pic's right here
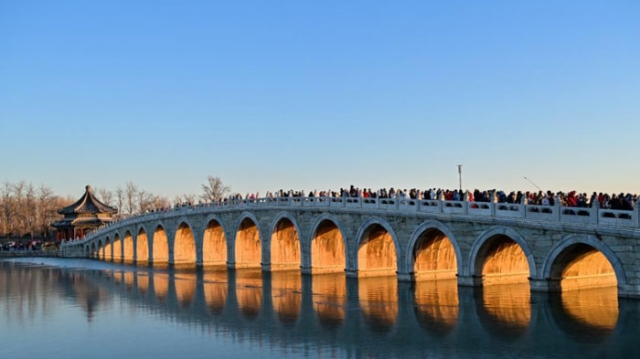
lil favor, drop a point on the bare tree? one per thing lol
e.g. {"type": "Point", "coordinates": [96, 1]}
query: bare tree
{"type": "Point", "coordinates": [160, 202]}
{"type": "Point", "coordinates": [214, 189]}
{"type": "Point", "coordinates": [186, 198]}
{"type": "Point", "coordinates": [31, 210]}
{"type": "Point", "coordinates": [120, 200]}
{"type": "Point", "coordinates": [144, 201]}
{"type": "Point", "coordinates": [7, 205]}
{"type": "Point", "coordinates": [20, 215]}
{"type": "Point", "coordinates": [106, 196]}
{"type": "Point", "coordinates": [47, 203]}
{"type": "Point", "coordinates": [131, 191]}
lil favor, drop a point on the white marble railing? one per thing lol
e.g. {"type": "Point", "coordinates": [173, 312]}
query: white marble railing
{"type": "Point", "coordinates": [593, 216]}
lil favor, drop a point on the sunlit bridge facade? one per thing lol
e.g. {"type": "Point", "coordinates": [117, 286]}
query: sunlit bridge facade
{"type": "Point", "coordinates": [363, 243]}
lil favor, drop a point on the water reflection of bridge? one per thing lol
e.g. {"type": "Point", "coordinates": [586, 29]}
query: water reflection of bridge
{"type": "Point", "coordinates": [295, 312]}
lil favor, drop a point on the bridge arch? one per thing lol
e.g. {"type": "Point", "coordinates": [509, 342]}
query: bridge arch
{"type": "Point", "coordinates": [284, 243]}
{"type": "Point", "coordinates": [127, 247]}
{"type": "Point", "coordinates": [159, 245]}
{"type": "Point", "coordinates": [184, 243]}
{"type": "Point", "coordinates": [377, 250]}
{"type": "Point", "coordinates": [108, 250]}
{"type": "Point", "coordinates": [100, 254]}
{"type": "Point", "coordinates": [433, 252]}
{"type": "Point", "coordinates": [247, 244]}
{"type": "Point", "coordinates": [328, 249]}
{"type": "Point", "coordinates": [589, 261]}
{"type": "Point", "coordinates": [501, 255]}
{"type": "Point", "coordinates": [214, 243]}
{"type": "Point", "coordinates": [117, 248]}
{"type": "Point", "coordinates": [142, 245]}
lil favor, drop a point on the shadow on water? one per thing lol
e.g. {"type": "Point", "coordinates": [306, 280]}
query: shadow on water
{"type": "Point", "coordinates": [331, 312]}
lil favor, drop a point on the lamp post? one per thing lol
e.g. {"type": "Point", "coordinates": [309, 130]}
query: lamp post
{"type": "Point", "coordinates": [460, 177]}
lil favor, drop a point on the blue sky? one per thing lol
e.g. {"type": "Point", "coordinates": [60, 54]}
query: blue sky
{"type": "Point", "coordinates": [302, 95]}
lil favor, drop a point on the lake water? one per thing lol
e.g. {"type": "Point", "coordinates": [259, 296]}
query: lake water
{"type": "Point", "coordinates": [70, 308]}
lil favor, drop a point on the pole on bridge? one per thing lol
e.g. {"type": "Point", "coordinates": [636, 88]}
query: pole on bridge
{"type": "Point", "coordinates": [460, 177]}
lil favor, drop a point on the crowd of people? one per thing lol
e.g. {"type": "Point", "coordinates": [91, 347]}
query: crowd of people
{"type": "Point", "coordinates": [613, 201]}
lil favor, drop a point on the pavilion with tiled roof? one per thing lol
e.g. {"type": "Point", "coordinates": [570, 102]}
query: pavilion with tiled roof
{"type": "Point", "coordinates": [83, 217]}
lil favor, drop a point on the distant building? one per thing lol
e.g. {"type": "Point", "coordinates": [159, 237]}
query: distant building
{"type": "Point", "coordinates": [83, 217]}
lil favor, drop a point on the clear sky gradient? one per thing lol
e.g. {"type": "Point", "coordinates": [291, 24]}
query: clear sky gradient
{"type": "Point", "coordinates": [305, 95]}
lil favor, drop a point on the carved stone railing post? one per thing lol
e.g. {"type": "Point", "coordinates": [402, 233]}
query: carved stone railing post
{"type": "Point", "coordinates": [636, 210]}
{"type": "Point", "coordinates": [595, 212]}
{"type": "Point", "coordinates": [465, 202]}
{"type": "Point", "coordinates": [494, 200]}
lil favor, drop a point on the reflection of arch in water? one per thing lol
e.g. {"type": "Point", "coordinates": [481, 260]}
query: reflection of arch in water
{"type": "Point", "coordinates": [505, 310]}
{"type": "Point", "coordinates": [328, 249]}
{"type": "Point", "coordinates": [286, 295]}
{"type": "Point", "coordinates": [437, 305]}
{"type": "Point", "coordinates": [377, 249]}
{"type": "Point", "coordinates": [161, 286]}
{"type": "Point", "coordinates": [215, 287]}
{"type": "Point", "coordinates": [586, 315]}
{"type": "Point", "coordinates": [502, 256]}
{"type": "Point", "coordinates": [330, 299]}
{"type": "Point", "coordinates": [285, 243]}
{"type": "Point", "coordinates": [581, 261]}
{"type": "Point", "coordinates": [434, 252]}
{"type": "Point", "coordinates": [379, 303]}
{"type": "Point", "coordinates": [249, 292]}
{"type": "Point", "coordinates": [143, 282]}
{"type": "Point", "coordinates": [185, 287]}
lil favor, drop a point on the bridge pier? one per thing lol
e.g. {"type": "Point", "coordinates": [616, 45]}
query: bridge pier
{"type": "Point", "coordinates": [544, 285]}
{"type": "Point", "coordinates": [406, 277]}
{"type": "Point", "coordinates": [469, 281]}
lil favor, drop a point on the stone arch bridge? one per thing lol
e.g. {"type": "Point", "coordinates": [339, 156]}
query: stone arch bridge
{"type": "Point", "coordinates": [551, 248]}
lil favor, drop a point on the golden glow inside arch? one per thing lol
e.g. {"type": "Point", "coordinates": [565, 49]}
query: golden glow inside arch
{"type": "Point", "coordinates": [160, 246]}
{"type": "Point", "coordinates": [214, 246]}
{"type": "Point", "coordinates": [434, 256]}
{"type": "Point", "coordinates": [117, 249]}
{"type": "Point", "coordinates": [108, 250]}
{"type": "Point", "coordinates": [248, 249]}
{"type": "Point", "coordinates": [376, 253]}
{"type": "Point", "coordinates": [582, 266]}
{"type": "Point", "coordinates": [142, 247]}
{"type": "Point", "coordinates": [285, 246]}
{"type": "Point", "coordinates": [503, 261]}
{"type": "Point", "coordinates": [127, 248]}
{"type": "Point", "coordinates": [184, 247]}
{"type": "Point", "coordinates": [328, 253]}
